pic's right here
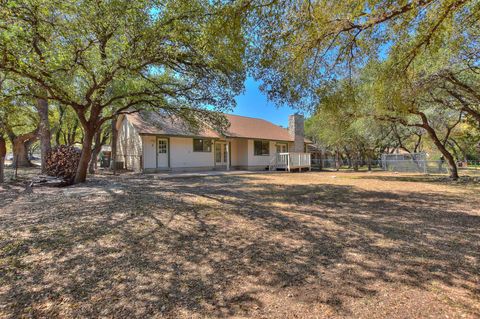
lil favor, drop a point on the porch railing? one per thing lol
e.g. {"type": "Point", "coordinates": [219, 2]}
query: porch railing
{"type": "Point", "coordinates": [291, 160]}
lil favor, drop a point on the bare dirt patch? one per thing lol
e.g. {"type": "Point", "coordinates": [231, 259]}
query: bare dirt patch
{"type": "Point", "coordinates": [310, 245]}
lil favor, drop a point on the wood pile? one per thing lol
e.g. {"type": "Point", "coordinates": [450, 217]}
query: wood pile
{"type": "Point", "coordinates": [62, 162]}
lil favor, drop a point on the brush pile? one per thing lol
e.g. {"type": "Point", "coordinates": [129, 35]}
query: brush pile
{"type": "Point", "coordinates": [62, 162]}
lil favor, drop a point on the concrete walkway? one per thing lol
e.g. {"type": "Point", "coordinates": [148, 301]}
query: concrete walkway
{"type": "Point", "coordinates": [165, 175]}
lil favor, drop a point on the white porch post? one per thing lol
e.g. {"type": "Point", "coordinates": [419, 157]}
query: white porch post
{"type": "Point", "coordinates": [228, 155]}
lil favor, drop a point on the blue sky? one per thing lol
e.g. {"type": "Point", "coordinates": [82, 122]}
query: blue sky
{"type": "Point", "coordinates": [254, 103]}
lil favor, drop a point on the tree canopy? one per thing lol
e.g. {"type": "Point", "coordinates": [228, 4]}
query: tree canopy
{"type": "Point", "coordinates": [102, 58]}
{"type": "Point", "coordinates": [373, 70]}
{"type": "Point", "coordinates": [375, 74]}
{"type": "Point", "coordinates": [301, 45]}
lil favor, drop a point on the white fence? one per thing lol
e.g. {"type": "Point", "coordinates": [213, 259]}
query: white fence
{"type": "Point", "coordinates": [332, 163]}
{"type": "Point", "coordinates": [415, 166]}
{"type": "Point", "coordinates": [412, 163]}
{"type": "Point", "coordinates": [291, 160]}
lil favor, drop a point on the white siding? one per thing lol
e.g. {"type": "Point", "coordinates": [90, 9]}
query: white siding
{"type": "Point", "coordinates": [129, 146]}
{"type": "Point", "coordinates": [132, 147]}
{"type": "Point", "coordinates": [255, 160]}
{"type": "Point", "coordinates": [183, 156]}
{"type": "Point", "coordinates": [149, 152]}
{"type": "Point", "coordinates": [243, 153]}
{"type": "Point", "coordinates": [239, 152]}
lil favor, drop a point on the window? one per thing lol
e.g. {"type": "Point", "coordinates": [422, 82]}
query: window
{"type": "Point", "coordinates": [282, 148]}
{"type": "Point", "coordinates": [162, 146]}
{"type": "Point", "coordinates": [202, 145]}
{"type": "Point", "coordinates": [261, 148]}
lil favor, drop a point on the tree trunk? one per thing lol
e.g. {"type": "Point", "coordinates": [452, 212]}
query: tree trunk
{"type": "Point", "coordinates": [72, 133]}
{"type": "Point", "coordinates": [418, 143]}
{"type": "Point", "coordinates": [3, 152]}
{"type": "Point", "coordinates": [20, 153]}
{"type": "Point", "coordinates": [44, 131]}
{"type": "Point", "coordinates": [461, 149]}
{"type": "Point", "coordinates": [58, 132]}
{"type": "Point", "coordinates": [2, 169]}
{"type": "Point", "coordinates": [355, 165]}
{"type": "Point", "coordinates": [448, 156]}
{"type": "Point", "coordinates": [20, 145]}
{"type": "Point", "coordinates": [85, 157]}
{"type": "Point", "coordinates": [92, 165]}
{"type": "Point", "coordinates": [99, 141]}
{"type": "Point", "coordinates": [337, 160]}
{"type": "Point", "coordinates": [113, 154]}
{"type": "Point", "coordinates": [320, 160]}
{"type": "Point", "coordinates": [349, 159]}
{"type": "Point", "coordinates": [355, 161]}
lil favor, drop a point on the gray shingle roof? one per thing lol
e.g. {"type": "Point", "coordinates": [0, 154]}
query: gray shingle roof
{"type": "Point", "coordinates": [240, 126]}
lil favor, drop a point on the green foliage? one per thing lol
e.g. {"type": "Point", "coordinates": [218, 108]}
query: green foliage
{"type": "Point", "coordinates": [66, 128]}
{"type": "Point", "coordinates": [17, 115]}
{"type": "Point", "coordinates": [383, 110]}
{"type": "Point", "coordinates": [344, 122]}
{"type": "Point", "coordinates": [301, 45]}
{"type": "Point", "coordinates": [427, 82]}
{"type": "Point", "coordinates": [114, 55]}
{"type": "Point", "coordinates": [104, 58]}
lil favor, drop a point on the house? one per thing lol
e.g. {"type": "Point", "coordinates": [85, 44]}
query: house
{"type": "Point", "coordinates": [149, 142]}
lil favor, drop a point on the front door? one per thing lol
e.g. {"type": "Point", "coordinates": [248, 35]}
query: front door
{"type": "Point", "coordinates": [162, 153]}
{"type": "Point", "coordinates": [282, 148]}
{"type": "Point", "coordinates": [220, 154]}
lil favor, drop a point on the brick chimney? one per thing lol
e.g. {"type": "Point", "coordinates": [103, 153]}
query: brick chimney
{"type": "Point", "coordinates": [297, 131]}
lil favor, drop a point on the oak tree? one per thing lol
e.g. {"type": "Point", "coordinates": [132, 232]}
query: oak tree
{"type": "Point", "coordinates": [102, 58]}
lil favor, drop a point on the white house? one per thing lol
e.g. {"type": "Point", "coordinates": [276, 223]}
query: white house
{"type": "Point", "coordinates": [149, 142]}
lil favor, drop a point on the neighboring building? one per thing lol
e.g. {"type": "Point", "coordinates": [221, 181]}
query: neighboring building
{"type": "Point", "coordinates": [148, 141]}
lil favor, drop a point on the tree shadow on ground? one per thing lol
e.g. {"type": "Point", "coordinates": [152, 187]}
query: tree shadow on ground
{"type": "Point", "coordinates": [217, 246]}
{"type": "Point", "coordinates": [465, 180]}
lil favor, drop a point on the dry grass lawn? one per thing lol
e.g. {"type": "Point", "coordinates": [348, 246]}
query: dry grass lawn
{"type": "Point", "coordinates": [311, 245]}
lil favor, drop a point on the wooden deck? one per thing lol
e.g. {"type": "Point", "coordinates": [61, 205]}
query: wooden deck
{"type": "Point", "coordinates": [291, 161]}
